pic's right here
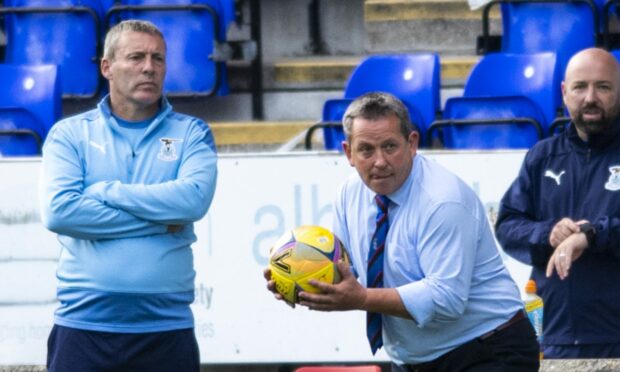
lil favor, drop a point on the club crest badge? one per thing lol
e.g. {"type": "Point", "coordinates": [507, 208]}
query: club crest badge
{"type": "Point", "coordinates": [613, 183]}
{"type": "Point", "coordinates": [168, 151]}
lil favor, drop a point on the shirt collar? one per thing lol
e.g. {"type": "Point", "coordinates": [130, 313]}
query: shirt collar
{"type": "Point", "coordinates": [104, 106]}
{"type": "Point", "coordinates": [164, 109]}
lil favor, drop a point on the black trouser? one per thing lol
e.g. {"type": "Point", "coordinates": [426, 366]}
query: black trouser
{"type": "Point", "coordinates": [73, 350]}
{"type": "Point", "coordinates": [512, 349]}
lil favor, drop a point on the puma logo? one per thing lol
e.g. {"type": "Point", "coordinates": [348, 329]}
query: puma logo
{"type": "Point", "coordinates": [556, 177]}
{"type": "Point", "coordinates": [98, 146]}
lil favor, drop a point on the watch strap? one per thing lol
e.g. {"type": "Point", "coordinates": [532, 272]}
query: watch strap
{"type": "Point", "coordinates": [590, 231]}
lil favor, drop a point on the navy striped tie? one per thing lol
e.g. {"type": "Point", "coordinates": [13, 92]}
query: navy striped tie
{"type": "Point", "coordinates": [375, 270]}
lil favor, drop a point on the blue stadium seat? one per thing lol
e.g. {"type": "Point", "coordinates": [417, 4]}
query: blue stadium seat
{"type": "Point", "coordinates": [559, 26]}
{"type": "Point", "coordinates": [228, 11]}
{"type": "Point", "coordinates": [536, 76]}
{"type": "Point", "coordinates": [529, 82]}
{"type": "Point", "coordinates": [610, 14]}
{"type": "Point", "coordinates": [491, 122]}
{"type": "Point", "coordinates": [413, 78]}
{"type": "Point", "coordinates": [193, 27]}
{"type": "Point", "coordinates": [559, 125]}
{"type": "Point", "coordinates": [333, 112]}
{"type": "Point", "coordinates": [60, 32]}
{"type": "Point", "coordinates": [30, 103]}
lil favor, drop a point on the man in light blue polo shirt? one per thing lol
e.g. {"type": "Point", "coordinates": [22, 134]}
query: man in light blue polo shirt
{"type": "Point", "coordinates": [442, 296]}
{"type": "Point", "coordinates": [122, 185]}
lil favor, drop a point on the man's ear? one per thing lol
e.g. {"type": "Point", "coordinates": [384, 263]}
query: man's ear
{"type": "Point", "coordinates": [414, 140]}
{"type": "Point", "coordinates": [563, 88]}
{"type": "Point", "coordinates": [105, 68]}
{"type": "Point", "coordinates": [346, 146]}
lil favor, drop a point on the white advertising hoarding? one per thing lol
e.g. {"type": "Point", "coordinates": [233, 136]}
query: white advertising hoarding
{"type": "Point", "coordinates": [258, 198]}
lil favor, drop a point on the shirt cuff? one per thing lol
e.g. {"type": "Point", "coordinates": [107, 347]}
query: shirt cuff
{"type": "Point", "coordinates": [418, 301]}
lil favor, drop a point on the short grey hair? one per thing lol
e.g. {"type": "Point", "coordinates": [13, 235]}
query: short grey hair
{"type": "Point", "coordinates": [130, 25]}
{"type": "Point", "coordinates": [377, 105]}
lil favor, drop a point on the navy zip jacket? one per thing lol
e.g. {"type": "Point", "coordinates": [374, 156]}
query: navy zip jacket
{"type": "Point", "coordinates": [562, 177]}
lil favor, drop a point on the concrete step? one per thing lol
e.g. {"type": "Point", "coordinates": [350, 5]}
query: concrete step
{"type": "Point", "coordinates": [401, 10]}
{"type": "Point", "coordinates": [245, 136]}
{"type": "Point", "coordinates": [445, 26]}
{"type": "Point", "coordinates": [333, 72]}
{"type": "Point", "coordinates": [257, 132]}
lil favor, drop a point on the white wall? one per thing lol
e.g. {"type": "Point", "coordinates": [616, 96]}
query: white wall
{"type": "Point", "coordinates": [258, 197]}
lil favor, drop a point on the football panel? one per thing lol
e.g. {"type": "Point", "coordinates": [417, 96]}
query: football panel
{"type": "Point", "coordinates": [280, 259]}
{"type": "Point", "coordinates": [286, 240]}
{"type": "Point", "coordinates": [315, 236]}
{"type": "Point", "coordinates": [325, 274]}
{"type": "Point", "coordinates": [305, 260]}
{"type": "Point", "coordinates": [284, 286]}
{"type": "Point", "coordinates": [339, 253]}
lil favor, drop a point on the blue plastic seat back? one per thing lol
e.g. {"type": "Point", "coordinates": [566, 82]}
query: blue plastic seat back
{"type": "Point", "coordinates": [12, 144]}
{"type": "Point", "coordinates": [616, 53]}
{"type": "Point", "coordinates": [30, 99]}
{"type": "Point", "coordinates": [228, 12]}
{"type": "Point", "coordinates": [490, 135]}
{"type": "Point", "coordinates": [107, 4]}
{"type": "Point", "coordinates": [561, 27]}
{"type": "Point", "coordinates": [225, 10]}
{"type": "Point", "coordinates": [333, 112]}
{"type": "Point", "coordinates": [600, 4]}
{"type": "Point", "coordinates": [414, 78]}
{"type": "Point", "coordinates": [535, 76]}
{"type": "Point", "coordinates": [190, 36]}
{"type": "Point", "coordinates": [68, 39]}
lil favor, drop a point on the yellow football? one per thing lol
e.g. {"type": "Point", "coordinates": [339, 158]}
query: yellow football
{"type": "Point", "coordinates": [304, 253]}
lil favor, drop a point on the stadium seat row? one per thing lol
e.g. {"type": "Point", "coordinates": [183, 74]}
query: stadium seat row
{"type": "Point", "coordinates": [509, 100]}
{"type": "Point", "coordinates": [512, 96]}
{"type": "Point", "coordinates": [69, 33]}
{"type": "Point", "coordinates": [53, 49]}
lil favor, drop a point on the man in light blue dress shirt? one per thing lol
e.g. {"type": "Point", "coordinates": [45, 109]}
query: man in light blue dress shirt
{"type": "Point", "coordinates": [447, 302]}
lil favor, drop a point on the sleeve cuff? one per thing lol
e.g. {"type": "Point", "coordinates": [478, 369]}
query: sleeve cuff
{"type": "Point", "coordinates": [418, 301]}
{"type": "Point", "coordinates": [597, 242]}
{"type": "Point", "coordinates": [540, 249]}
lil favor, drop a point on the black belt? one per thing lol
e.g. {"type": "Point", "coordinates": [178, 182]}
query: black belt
{"type": "Point", "coordinates": [518, 316]}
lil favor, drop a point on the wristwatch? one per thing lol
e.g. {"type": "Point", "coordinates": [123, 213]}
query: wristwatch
{"type": "Point", "coordinates": [590, 231]}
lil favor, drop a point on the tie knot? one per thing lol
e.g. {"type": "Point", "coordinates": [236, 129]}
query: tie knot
{"type": "Point", "coordinates": [382, 202]}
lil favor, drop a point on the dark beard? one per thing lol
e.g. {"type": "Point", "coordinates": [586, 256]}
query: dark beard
{"type": "Point", "coordinates": [597, 127]}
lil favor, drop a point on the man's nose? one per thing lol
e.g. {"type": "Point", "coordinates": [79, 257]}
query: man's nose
{"type": "Point", "coordinates": [590, 94]}
{"type": "Point", "coordinates": [148, 66]}
{"type": "Point", "coordinates": [380, 160]}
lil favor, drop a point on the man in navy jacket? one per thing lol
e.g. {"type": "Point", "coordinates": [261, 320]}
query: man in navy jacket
{"type": "Point", "coordinates": [562, 215]}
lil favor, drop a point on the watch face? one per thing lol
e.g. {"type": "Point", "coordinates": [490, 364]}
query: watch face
{"type": "Point", "coordinates": [589, 230]}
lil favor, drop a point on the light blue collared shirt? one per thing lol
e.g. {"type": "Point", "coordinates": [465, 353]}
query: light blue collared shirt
{"type": "Point", "coordinates": [440, 255]}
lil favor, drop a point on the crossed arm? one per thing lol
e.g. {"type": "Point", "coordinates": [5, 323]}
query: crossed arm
{"type": "Point", "coordinates": [110, 209]}
{"type": "Point", "coordinates": [551, 243]}
{"type": "Point", "coordinates": [568, 243]}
